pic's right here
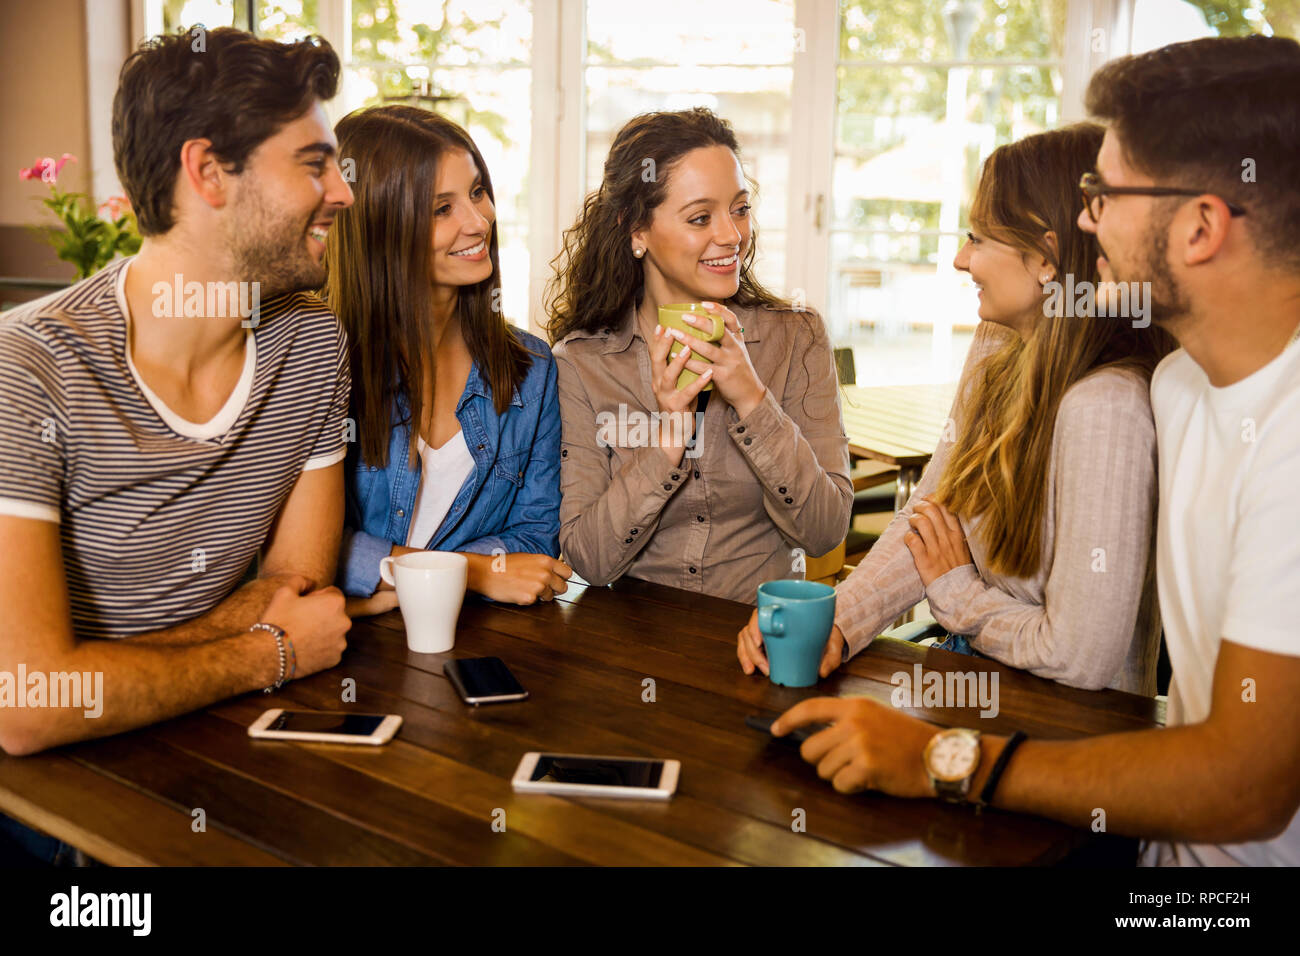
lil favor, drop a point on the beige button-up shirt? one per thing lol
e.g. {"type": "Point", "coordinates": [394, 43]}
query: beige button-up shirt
{"type": "Point", "coordinates": [764, 492]}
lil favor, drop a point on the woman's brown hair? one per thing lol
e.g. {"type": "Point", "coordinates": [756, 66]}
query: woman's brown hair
{"type": "Point", "coordinates": [1000, 462]}
{"type": "Point", "coordinates": [597, 279]}
{"type": "Point", "coordinates": [380, 284]}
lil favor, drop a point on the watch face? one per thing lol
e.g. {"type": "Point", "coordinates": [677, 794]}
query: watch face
{"type": "Point", "coordinates": [954, 756]}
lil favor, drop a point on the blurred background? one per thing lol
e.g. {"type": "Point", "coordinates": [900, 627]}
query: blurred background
{"type": "Point", "coordinates": [863, 122]}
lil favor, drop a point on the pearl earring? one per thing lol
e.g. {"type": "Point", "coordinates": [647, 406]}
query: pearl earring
{"type": "Point", "coordinates": [638, 253]}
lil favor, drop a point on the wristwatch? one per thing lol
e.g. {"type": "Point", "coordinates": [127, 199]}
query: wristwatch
{"type": "Point", "coordinates": [951, 758]}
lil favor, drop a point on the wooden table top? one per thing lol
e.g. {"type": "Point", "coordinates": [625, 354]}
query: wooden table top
{"type": "Point", "coordinates": [896, 424]}
{"type": "Point", "coordinates": [429, 797]}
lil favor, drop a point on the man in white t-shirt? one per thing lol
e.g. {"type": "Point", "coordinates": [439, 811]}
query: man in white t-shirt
{"type": "Point", "coordinates": [1196, 191]}
{"type": "Point", "coordinates": [155, 440]}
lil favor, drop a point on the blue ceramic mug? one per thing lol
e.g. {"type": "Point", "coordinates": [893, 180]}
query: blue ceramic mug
{"type": "Point", "coordinates": [795, 618]}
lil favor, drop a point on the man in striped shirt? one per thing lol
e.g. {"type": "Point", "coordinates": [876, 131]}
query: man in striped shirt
{"type": "Point", "coordinates": [153, 439]}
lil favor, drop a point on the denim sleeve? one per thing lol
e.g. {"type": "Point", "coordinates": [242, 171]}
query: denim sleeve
{"type": "Point", "coordinates": [359, 558]}
{"type": "Point", "coordinates": [533, 523]}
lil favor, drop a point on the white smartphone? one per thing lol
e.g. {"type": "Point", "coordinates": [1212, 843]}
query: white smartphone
{"type": "Point", "coordinates": [581, 775]}
{"type": "Point", "coordinates": [280, 724]}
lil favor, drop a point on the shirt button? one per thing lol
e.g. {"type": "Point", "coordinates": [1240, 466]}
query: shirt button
{"type": "Point", "coordinates": [667, 487]}
{"type": "Point", "coordinates": [634, 531]}
{"type": "Point", "coordinates": [565, 453]}
{"type": "Point", "coordinates": [699, 517]}
{"type": "Point", "coordinates": [789, 501]}
{"type": "Point", "coordinates": [692, 570]}
{"type": "Point", "coordinates": [480, 447]}
{"type": "Point", "coordinates": [697, 474]}
{"type": "Point", "coordinates": [627, 540]}
{"type": "Point", "coordinates": [780, 490]}
{"type": "Point", "coordinates": [740, 429]}
{"type": "Point", "coordinates": [748, 440]}
{"type": "Point", "coordinates": [401, 513]}
{"type": "Point", "coordinates": [676, 476]}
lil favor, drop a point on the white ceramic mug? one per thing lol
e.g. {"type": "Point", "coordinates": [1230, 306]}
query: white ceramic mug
{"type": "Point", "coordinates": [430, 587]}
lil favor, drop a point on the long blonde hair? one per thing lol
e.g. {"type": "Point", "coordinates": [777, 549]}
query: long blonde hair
{"type": "Point", "coordinates": [999, 465]}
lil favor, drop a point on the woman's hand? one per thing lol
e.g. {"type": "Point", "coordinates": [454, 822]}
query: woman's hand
{"type": "Point", "coordinates": [733, 373]}
{"type": "Point", "coordinates": [867, 745]}
{"type": "Point", "coordinates": [378, 603]}
{"type": "Point", "coordinates": [936, 541]}
{"type": "Point", "coordinates": [750, 653]}
{"type": "Point", "coordinates": [678, 403]}
{"type": "Point", "coordinates": [518, 578]}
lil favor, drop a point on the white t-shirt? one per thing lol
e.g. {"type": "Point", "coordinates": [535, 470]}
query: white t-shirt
{"type": "Point", "coordinates": [1228, 545]}
{"type": "Point", "coordinates": [442, 474]}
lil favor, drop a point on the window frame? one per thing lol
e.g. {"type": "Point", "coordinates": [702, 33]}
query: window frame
{"type": "Point", "coordinates": [558, 100]}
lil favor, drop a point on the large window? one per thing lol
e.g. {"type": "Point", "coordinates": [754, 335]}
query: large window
{"type": "Point", "coordinates": [1158, 22]}
{"type": "Point", "coordinates": [736, 58]}
{"type": "Point", "coordinates": [926, 89]}
{"type": "Point", "coordinates": [466, 59]}
{"type": "Point", "coordinates": [863, 122]}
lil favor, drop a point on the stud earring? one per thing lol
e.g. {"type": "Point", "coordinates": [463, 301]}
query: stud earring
{"type": "Point", "coordinates": [638, 253]}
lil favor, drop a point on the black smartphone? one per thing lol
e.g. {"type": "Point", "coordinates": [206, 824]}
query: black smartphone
{"type": "Point", "coordinates": [483, 680]}
{"type": "Point", "coordinates": [764, 720]}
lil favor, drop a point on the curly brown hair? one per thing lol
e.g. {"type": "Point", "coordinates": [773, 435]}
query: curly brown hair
{"type": "Point", "coordinates": [597, 279]}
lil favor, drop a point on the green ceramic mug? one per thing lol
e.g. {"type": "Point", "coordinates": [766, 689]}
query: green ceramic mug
{"type": "Point", "coordinates": [672, 316]}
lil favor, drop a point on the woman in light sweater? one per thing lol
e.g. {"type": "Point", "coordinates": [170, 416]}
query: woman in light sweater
{"type": "Point", "coordinates": [1030, 532]}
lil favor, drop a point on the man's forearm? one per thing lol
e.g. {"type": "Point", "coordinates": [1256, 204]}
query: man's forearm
{"type": "Point", "coordinates": [1173, 784]}
{"type": "Point", "coordinates": [240, 611]}
{"type": "Point", "coordinates": [128, 684]}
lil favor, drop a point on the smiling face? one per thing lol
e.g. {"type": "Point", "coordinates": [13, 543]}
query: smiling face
{"type": "Point", "coordinates": [463, 216]}
{"type": "Point", "coordinates": [1134, 234]}
{"type": "Point", "coordinates": [285, 201]}
{"type": "Point", "coordinates": [699, 235]}
{"type": "Point", "coordinates": [1010, 288]}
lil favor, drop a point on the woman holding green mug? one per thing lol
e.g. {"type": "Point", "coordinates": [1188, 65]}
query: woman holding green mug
{"type": "Point", "coordinates": [711, 490]}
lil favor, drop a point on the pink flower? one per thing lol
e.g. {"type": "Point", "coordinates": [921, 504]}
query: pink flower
{"type": "Point", "coordinates": [116, 206]}
{"type": "Point", "coordinates": [47, 169]}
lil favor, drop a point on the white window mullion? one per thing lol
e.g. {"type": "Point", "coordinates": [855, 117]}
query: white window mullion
{"type": "Point", "coordinates": [556, 174]}
{"type": "Point", "coordinates": [812, 153]}
{"type": "Point", "coordinates": [1095, 31]}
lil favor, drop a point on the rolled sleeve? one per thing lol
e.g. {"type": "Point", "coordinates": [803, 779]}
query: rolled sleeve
{"type": "Point", "coordinates": [359, 560]}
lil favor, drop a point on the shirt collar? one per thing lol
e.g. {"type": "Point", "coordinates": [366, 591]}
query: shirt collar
{"type": "Point", "coordinates": [477, 385]}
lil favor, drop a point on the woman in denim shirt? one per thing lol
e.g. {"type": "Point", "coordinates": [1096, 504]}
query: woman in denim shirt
{"type": "Point", "coordinates": [414, 278]}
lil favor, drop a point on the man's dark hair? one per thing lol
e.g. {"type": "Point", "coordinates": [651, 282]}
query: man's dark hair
{"type": "Point", "coordinates": [222, 85]}
{"type": "Point", "coordinates": [1208, 114]}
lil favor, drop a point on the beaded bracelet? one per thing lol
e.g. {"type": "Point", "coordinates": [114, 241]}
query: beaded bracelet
{"type": "Point", "coordinates": [280, 638]}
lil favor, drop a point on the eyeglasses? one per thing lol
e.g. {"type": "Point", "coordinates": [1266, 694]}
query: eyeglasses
{"type": "Point", "coordinates": [1095, 191]}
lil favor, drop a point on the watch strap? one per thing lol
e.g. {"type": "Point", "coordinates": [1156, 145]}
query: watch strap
{"type": "Point", "coordinates": [991, 783]}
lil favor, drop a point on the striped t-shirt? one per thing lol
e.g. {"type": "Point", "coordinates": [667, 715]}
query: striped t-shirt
{"type": "Point", "coordinates": [159, 517]}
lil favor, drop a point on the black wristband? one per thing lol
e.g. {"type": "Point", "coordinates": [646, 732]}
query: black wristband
{"type": "Point", "coordinates": [991, 784]}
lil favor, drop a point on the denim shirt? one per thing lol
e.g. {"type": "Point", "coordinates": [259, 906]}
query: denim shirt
{"type": "Point", "coordinates": [510, 502]}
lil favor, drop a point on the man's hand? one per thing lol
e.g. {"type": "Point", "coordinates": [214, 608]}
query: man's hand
{"type": "Point", "coordinates": [936, 541]}
{"type": "Point", "coordinates": [520, 578]}
{"type": "Point", "coordinates": [315, 622]}
{"type": "Point", "coordinates": [868, 746]}
{"type": "Point", "coordinates": [750, 652]}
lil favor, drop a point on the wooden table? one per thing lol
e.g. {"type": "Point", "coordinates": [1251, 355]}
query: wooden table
{"type": "Point", "coordinates": [431, 796]}
{"type": "Point", "coordinates": [897, 424]}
